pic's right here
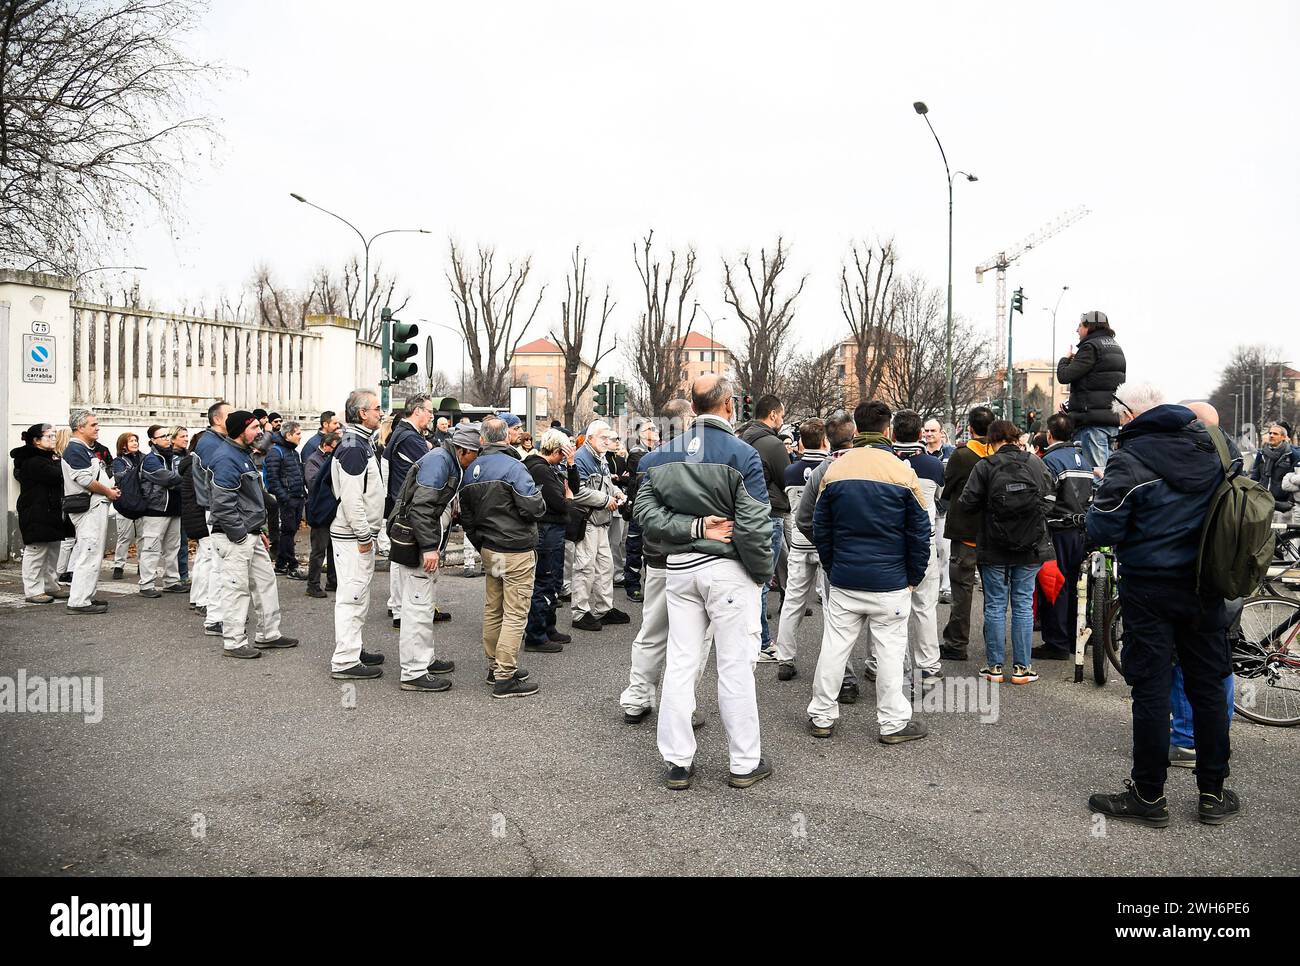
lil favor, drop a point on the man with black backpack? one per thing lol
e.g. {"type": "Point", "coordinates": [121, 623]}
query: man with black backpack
{"type": "Point", "coordinates": [1160, 484]}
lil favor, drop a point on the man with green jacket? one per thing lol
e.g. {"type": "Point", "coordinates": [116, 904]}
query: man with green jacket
{"type": "Point", "coordinates": [704, 501]}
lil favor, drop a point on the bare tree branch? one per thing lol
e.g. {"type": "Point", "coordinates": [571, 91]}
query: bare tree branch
{"type": "Point", "coordinates": [761, 364]}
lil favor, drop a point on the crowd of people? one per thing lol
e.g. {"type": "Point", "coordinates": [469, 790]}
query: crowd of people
{"type": "Point", "coordinates": [872, 514]}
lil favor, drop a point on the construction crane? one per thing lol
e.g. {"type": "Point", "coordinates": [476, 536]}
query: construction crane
{"type": "Point", "coordinates": [1002, 260]}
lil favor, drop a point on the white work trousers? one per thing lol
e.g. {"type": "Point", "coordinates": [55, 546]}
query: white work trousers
{"type": "Point", "coordinates": [40, 568]}
{"type": "Point", "coordinates": [356, 572]}
{"type": "Point", "coordinates": [844, 615]}
{"type": "Point", "coordinates": [92, 531]}
{"type": "Point", "coordinates": [800, 592]}
{"type": "Point", "coordinates": [415, 645]}
{"type": "Point", "coordinates": [719, 592]}
{"type": "Point", "coordinates": [650, 649]}
{"type": "Point", "coordinates": [593, 573]}
{"type": "Point", "coordinates": [201, 573]}
{"type": "Point", "coordinates": [159, 546]}
{"type": "Point", "coordinates": [247, 582]}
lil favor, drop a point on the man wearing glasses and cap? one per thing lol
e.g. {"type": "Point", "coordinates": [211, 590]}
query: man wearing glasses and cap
{"type": "Point", "coordinates": [1093, 373]}
{"type": "Point", "coordinates": [160, 544]}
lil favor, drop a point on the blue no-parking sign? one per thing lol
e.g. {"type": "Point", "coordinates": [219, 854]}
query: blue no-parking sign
{"type": "Point", "coordinates": [39, 358]}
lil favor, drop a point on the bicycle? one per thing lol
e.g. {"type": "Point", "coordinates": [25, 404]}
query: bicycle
{"type": "Point", "coordinates": [1284, 572]}
{"type": "Point", "coordinates": [1265, 641]}
{"type": "Point", "coordinates": [1100, 618]}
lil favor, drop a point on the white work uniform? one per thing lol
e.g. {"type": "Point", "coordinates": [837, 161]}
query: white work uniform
{"type": "Point", "coordinates": [201, 573]}
{"type": "Point", "coordinates": [248, 581]}
{"type": "Point", "coordinates": [415, 644]}
{"type": "Point", "coordinates": [40, 568]}
{"type": "Point", "coordinates": [92, 531]}
{"type": "Point", "coordinates": [650, 648]}
{"type": "Point", "coordinates": [128, 532]}
{"type": "Point", "coordinates": [159, 545]}
{"type": "Point", "coordinates": [593, 573]}
{"type": "Point", "coordinates": [800, 593]}
{"type": "Point", "coordinates": [702, 591]}
{"type": "Point", "coordinates": [885, 616]}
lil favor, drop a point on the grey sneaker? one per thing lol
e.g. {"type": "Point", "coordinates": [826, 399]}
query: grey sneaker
{"type": "Point", "coordinates": [357, 672]}
{"type": "Point", "coordinates": [820, 731]}
{"type": "Point", "coordinates": [244, 650]}
{"type": "Point", "coordinates": [212, 630]}
{"type": "Point", "coordinates": [1218, 809]}
{"type": "Point", "coordinates": [911, 732]}
{"type": "Point", "coordinates": [697, 719]}
{"type": "Point", "coordinates": [1181, 757]}
{"type": "Point", "coordinates": [427, 682]}
{"type": "Point", "coordinates": [764, 770]}
{"type": "Point", "coordinates": [767, 654]}
{"type": "Point", "coordinates": [786, 671]}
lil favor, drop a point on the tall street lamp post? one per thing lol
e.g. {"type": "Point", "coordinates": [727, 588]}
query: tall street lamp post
{"type": "Point", "coordinates": [920, 108]}
{"type": "Point", "coordinates": [1052, 375]}
{"type": "Point", "coordinates": [365, 246]}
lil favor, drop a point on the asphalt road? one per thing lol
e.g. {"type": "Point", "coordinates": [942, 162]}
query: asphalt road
{"type": "Point", "coordinates": [206, 765]}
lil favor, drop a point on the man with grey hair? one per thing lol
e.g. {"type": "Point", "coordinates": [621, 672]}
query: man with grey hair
{"type": "Point", "coordinates": [500, 506]}
{"type": "Point", "coordinates": [938, 447]}
{"type": "Point", "coordinates": [593, 563]}
{"type": "Point", "coordinates": [87, 492]}
{"type": "Point", "coordinates": [551, 466]}
{"type": "Point", "coordinates": [359, 486]}
{"type": "Point", "coordinates": [1158, 487]}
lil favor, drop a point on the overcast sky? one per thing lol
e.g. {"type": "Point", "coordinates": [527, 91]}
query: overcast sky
{"type": "Point", "coordinates": [535, 126]}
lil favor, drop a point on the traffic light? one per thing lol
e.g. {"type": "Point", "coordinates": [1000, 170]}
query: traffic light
{"type": "Point", "coordinates": [1018, 301]}
{"type": "Point", "coordinates": [601, 393]}
{"type": "Point", "coordinates": [401, 346]}
{"type": "Point", "coordinates": [746, 408]}
{"type": "Point", "coordinates": [620, 398]}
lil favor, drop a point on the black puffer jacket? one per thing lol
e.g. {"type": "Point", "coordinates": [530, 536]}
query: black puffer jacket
{"type": "Point", "coordinates": [194, 522]}
{"type": "Point", "coordinates": [771, 451]}
{"type": "Point", "coordinates": [1272, 465]}
{"type": "Point", "coordinates": [550, 480]}
{"type": "Point", "coordinates": [40, 504]}
{"type": "Point", "coordinates": [1093, 375]}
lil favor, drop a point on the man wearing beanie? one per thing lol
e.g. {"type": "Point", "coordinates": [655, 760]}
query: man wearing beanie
{"type": "Point", "coordinates": [239, 539]}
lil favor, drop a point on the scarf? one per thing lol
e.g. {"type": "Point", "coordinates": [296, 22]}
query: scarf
{"type": "Point", "coordinates": [870, 439]}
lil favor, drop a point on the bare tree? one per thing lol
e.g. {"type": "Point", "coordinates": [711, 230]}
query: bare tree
{"type": "Point", "coordinates": [573, 335]}
{"type": "Point", "coordinates": [914, 363]}
{"type": "Point", "coordinates": [94, 121]}
{"type": "Point", "coordinates": [813, 386]}
{"type": "Point", "coordinates": [766, 315]}
{"type": "Point", "coordinates": [655, 353]}
{"type": "Point", "coordinates": [868, 309]}
{"type": "Point", "coordinates": [486, 308]}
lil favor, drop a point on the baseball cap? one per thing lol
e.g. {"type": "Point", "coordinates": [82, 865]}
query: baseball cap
{"type": "Point", "coordinates": [467, 437]}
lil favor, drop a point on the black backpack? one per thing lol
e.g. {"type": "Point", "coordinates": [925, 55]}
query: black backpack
{"type": "Point", "coordinates": [131, 504]}
{"type": "Point", "coordinates": [1014, 517]}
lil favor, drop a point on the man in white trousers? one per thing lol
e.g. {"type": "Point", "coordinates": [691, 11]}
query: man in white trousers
{"type": "Point", "coordinates": [937, 445]}
{"type": "Point", "coordinates": [703, 499]}
{"type": "Point", "coordinates": [86, 480]}
{"type": "Point", "coordinates": [593, 561]}
{"type": "Point", "coordinates": [803, 567]}
{"type": "Point", "coordinates": [206, 445]}
{"type": "Point", "coordinates": [359, 487]}
{"type": "Point", "coordinates": [872, 531]}
{"type": "Point", "coordinates": [241, 542]}
{"type": "Point", "coordinates": [159, 542]}
{"type": "Point", "coordinates": [421, 504]}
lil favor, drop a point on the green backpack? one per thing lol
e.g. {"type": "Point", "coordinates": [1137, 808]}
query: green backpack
{"type": "Point", "coordinates": [1237, 537]}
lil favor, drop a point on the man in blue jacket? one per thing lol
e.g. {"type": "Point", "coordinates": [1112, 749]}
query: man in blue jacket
{"type": "Point", "coordinates": [406, 446]}
{"type": "Point", "coordinates": [1072, 479]}
{"type": "Point", "coordinates": [1151, 507]}
{"type": "Point", "coordinates": [872, 530]}
{"type": "Point", "coordinates": [284, 478]}
{"type": "Point", "coordinates": [160, 544]}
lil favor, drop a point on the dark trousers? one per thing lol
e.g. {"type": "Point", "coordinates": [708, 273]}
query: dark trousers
{"type": "Point", "coordinates": [290, 516]}
{"type": "Point", "coordinates": [961, 573]}
{"type": "Point", "coordinates": [322, 555]}
{"type": "Point", "coordinates": [1059, 619]}
{"type": "Point", "coordinates": [632, 561]}
{"type": "Point", "coordinates": [546, 582]}
{"type": "Point", "coordinates": [1164, 617]}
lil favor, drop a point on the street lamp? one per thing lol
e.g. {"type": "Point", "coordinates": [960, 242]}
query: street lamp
{"type": "Point", "coordinates": [1052, 374]}
{"type": "Point", "coordinates": [365, 245]}
{"type": "Point", "coordinates": [920, 108]}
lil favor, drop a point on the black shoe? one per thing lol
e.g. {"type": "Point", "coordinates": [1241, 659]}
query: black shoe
{"type": "Point", "coordinates": [640, 715]}
{"type": "Point", "coordinates": [566, 597]}
{"type": "Point", "coordinates": [1129, 806]}
{"type": "Point", "coordinates": [764, 770]}
{"type": "Point", "coordinates": [427, 682]}
{"type": "Point", "coordinates": [65, 577]}
{"type": "Point", "coordinates": [950, 653]}
{"type": "Point", "coordinates": [244, 651]}
{"type": "Point", "coordinates": [442, 667]}
{"type": "Point", "coordinates": [636, 596]}
{"type": "Point", "coordinates": [520, 675]}
{"type": "Point", "coordinates": [820, 731]}
{"type": "Point", "coordinates": [911, 731]}
{"type": "Point", "coordinates": [1215, 810]}
{"type": "Point", "coordinates": [371, 658]}
{"type": "Point", "coordinates": [848, 694]}
{"type": "Point", "coordinates": [117, 573]}
{"type": "Point", "coordinates": [1045, 652]}
{"type": "Point", "coordinates": [397, 622]}
{"type": "Point", "coordinates": [280, 641]}
{"type": "Point", "coordinates": [316, 592]}
{"type": "Point", "coordinates": [182, 588]}
{"type": "Point", "coordinates": [331, 588]}
{"type": "Point", "coordinates": [280, 571]}
{"type": "Point", "coordinates": [614, 616]}
{"type": "Point", "coordinates": [295, 574]}
{"type": "Point", "coordinates": [150, 593]}
{"type": "Point", "coordinates": [357, 672]}
{"type": "Point", "coordinates": [558, 637]}
{"type": "Point", "coordinates": [213, 630]}
{"type": "Point", "coordinates": [89, 609]}
{"type": "Point", "coordinates": [513, 688]}
{"type": "Point", "coordinates": [678, 777]}
{"type": "Point", "coordinates": [546, 647]}
{"type": "Point", "coordinates": [440, 615]}
{"type": "Point", "coordinates": [588, 623]}
{"type": "Point", "coordinates": [785, 671]}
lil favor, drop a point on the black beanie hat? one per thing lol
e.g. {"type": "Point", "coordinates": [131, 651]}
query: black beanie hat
{"type": "Point", "coordinates": [238, 421]}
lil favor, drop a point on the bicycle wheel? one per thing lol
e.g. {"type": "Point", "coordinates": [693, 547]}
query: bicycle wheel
{"type": "Point", "coordinates": [1266, 660]}
{"type": "Point", "coordinates": [1097, 607]}
{"type": "Point", "coordinates": [1114, 630]}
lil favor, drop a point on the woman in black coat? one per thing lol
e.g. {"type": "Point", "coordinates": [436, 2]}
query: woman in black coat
{"type": "Point", "coordinates": [40, 513]}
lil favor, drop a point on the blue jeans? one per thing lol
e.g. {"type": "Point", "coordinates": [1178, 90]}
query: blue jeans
{"type": "Point", "coordinates": [183, 558]}
{"type": "Point", "coordinates": [632, 558]}
{"type": "Point", "coordinates": [1180, 727]}
{"type": "Point", "coordinates": [1097, 442]}
{"type": "Point", "coordinates": [998, 581]}
{"type": "Point", "coordinates": [778, 541]}
{"type": "Point", "coordinates": [546, 582]}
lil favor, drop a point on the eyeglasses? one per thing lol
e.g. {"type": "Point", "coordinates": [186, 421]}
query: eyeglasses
{"type": "Point", "coordinates": [167, 436]}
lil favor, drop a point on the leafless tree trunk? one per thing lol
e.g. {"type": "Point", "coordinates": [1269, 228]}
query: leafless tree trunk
{"type": "Point", "coordinates": [93, 123]}
{"type": "Point", "coordinates": [486, 308]}
{"type": "Point", "coordinates": [766, 316]}
{"type": "Point", "coordinates": [868, 309]}
{"type": "Point", "coordinates": [655, 352]}
{"type": "Point", "coordinates": [813, 386]}
{"type": "Point", "coordinates": [915, 364]}
{"type": "Point", "coordinates": [573, 335]}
